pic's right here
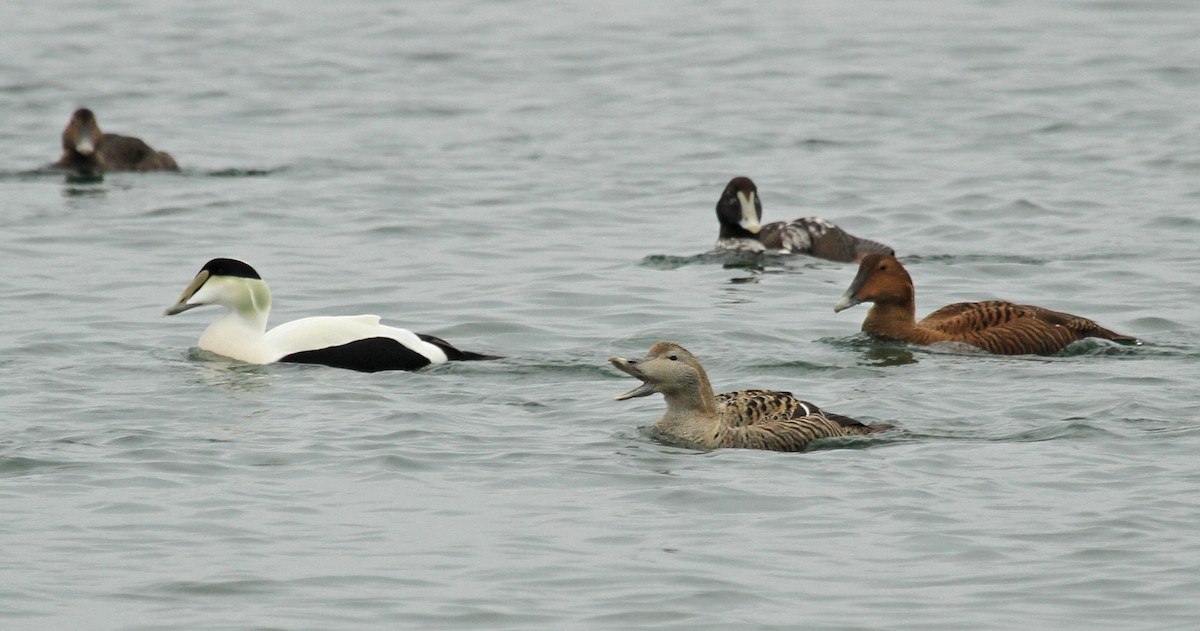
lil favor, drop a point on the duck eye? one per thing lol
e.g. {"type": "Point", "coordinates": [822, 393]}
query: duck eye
{"type": "Point", "coordinates": [673, 358]}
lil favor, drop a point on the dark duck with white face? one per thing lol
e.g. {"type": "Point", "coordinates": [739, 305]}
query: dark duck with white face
{"type": "Point", "coordinates": [739, 211]}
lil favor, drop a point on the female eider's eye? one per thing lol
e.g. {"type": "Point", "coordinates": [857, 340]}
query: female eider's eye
{"type": "Point", "coordinates": [674, 358]}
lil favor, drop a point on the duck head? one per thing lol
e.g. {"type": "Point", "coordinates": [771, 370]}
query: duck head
{"type": "Point", "coordinates": [82, 134]}
{"type": "Point", "coordinates": [227, 282]}
{"type": "Point", "coordinates": [739, 210]}
{"type": "Point", "coordinates": [882, 280]}
{"type": "Point", "coordinates": [668, 369]}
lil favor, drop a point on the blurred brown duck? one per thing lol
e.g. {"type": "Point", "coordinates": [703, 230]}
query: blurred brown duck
{"type": "Point", "coordinates": [88, 150]}
{"type": "Point", "coordinates": [749, 419]}
{"type": "Point", "coordinates": [740, 212]}
{"type": "Point", "coordinates": [995, 326]}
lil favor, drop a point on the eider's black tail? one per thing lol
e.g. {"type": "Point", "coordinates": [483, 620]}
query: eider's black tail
{"type": "Point", "coordinates": [454, 354]}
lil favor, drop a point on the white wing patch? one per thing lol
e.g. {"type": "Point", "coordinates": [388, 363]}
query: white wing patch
{"type": "Point", "coordinates": [740, 245]}
{"type": "Point", "coordinates": [798, 236]}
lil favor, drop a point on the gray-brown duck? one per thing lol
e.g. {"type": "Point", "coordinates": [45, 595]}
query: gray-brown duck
{"type": "Point", "coordinates": [749, 419]}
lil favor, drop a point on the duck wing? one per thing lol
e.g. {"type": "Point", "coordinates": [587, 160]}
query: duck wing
{"type": "Point", "coordinates": [820, 238]}
{"type": "Point", "coordinates": [126, 153]}
{"type": "Point", "coordinates": [794, 434]}
{"type": "Point", "coordinates": [748, 407]}
{"type": "Point", "coordinates": [1006, 328]}
{"type": "Point", "coordinates": [354, 342]}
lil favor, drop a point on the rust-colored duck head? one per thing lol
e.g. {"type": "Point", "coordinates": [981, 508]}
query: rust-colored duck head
{"type": "Point", "coordinates": [882, 280]}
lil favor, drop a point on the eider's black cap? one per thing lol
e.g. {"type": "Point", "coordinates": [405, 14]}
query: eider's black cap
{"type": "Point", "coordinates": [229, 267]}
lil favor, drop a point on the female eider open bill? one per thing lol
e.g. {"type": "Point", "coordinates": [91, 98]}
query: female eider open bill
{"type": "Point", "coordinates": [354, 342]}
{"type": "Point", "coordinates": [995, 326]}
{"type": "Point", "coordinates": [749, 419]}
{"type": "Point", "coordinates": [740, 212]}
{"type": "Point", "coordinates": [88, 150]}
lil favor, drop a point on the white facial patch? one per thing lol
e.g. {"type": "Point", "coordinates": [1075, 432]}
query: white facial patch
{"type": "Point", "coordinates": [85, 146]}
{"type": "Point", "coordinates": [749, 219]}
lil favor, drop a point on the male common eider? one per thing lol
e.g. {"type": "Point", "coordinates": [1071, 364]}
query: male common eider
{"type": "Point", "coordinates": [354, 342]}
{"type": "Point", "coordinates": [994, 326]}
{"type": "Point", "coordinates": [740, 210]}
{"type": "Point", "coordinates": [749, 419]}
{"type": "Point", "coordinates": [88, 150]}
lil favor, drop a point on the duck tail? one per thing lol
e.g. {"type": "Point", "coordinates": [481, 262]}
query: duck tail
{"type": "Point", "coordinates": [855, 426]}
{"type": "Point", "coordinates": [1095, 330]}
{"type": "Point", "coordinates": [455, 355]}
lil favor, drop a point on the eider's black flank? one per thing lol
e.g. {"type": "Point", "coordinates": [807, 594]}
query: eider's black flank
{"type": "Point", "coordinates": [372, 354]}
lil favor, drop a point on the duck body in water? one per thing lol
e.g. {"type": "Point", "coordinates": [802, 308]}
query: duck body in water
{"type": "Point", "coordinates": [355, 342]}
{"type": "Point", "coordinates": [88, 150]}
{"type": "Point", "coordinates": [698, 418]}
{"type": "Point", "coordinates": [739, 212]}
{"type": "Point", "coordinates": [996, 326]}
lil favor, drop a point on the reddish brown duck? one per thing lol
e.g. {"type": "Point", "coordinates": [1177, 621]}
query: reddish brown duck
{"type": "Point", "coordinates": [740, 212]}
{"type": "Point", "coordinates": [88, 150]}
{"type": "Point", "coordinates": [995, 326]}
{"type": "Point", "coordinates": [749, 419]}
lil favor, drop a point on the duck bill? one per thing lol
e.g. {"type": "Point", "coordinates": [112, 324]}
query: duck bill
{"type": "Point", "coordinates": [846, 302]}
{"type": "Point", "coordinates": [850, 298]}
{"type": "Point", "coordinates": [630, 368]}
{"type": "Point", "coordinates": [85, 146]}
{"type": "Point", "coordinates": [749, 220]}
{"type": "Point", "coordinates": [182, 304]}
{"type": "Point", "coordinates": [644, 390]}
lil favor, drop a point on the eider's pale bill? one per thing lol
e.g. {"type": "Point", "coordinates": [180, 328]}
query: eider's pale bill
{"type": "Point", "coordinates": [846, 302]}
{"type": "Point", "coordinates": [630, 368]}
{"type": "Point", "coordinates": [85, 146]}
{"type": "Point", "coordinates": [644, 390]}
{"type": "Point", "coordinates": [749, 221]}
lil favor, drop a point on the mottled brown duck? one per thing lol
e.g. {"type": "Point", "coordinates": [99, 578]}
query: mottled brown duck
{"type": "Point", "coordinates": [86, 149]}
{"type": "Point", "coordinates": [750, 419]}
{"type": "Point", "coordinates": [739, 212]}
{"type": "Point", "coordinates": [995, 326]}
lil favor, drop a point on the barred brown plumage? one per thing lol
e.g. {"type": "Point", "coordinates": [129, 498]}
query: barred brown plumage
{"type": "Point", "coordinates": [995, 326]}
{"type": "Point", "coordinates": [751, 419]}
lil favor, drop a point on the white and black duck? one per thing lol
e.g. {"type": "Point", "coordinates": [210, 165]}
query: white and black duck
{"type": "Point", "coordinates": [355, 342]}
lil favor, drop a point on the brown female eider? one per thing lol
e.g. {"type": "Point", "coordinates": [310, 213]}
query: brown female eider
{"type": "Point", "coordinates": [995, 326]}
{"type": "Point", "coordinates": [86, 149]}
{"type": "Point", "coordinates": [749, 419]}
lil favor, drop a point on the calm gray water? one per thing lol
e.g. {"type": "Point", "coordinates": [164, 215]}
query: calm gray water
{"type": "Point", "coordinates": [537, 180]}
